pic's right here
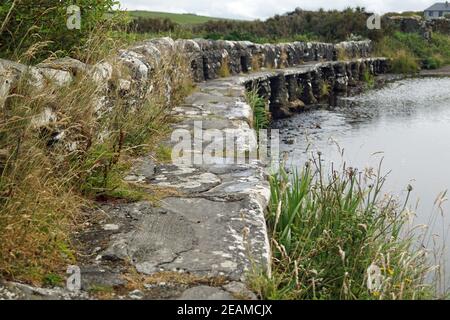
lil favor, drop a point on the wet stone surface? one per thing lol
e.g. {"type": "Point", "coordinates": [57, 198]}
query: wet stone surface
{"type": "Point", "coordinates": [216, 225]}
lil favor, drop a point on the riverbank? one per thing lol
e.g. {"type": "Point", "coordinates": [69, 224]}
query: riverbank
{"type": "Point", "coordinates": [399, 125]}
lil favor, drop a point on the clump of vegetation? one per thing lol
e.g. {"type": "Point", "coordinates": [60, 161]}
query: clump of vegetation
{"type": "Point", "coordinates": [325, 89]}
{"type": "Point", "coordinates": [54, 170]}
{"type": "Point", "coordinates": [37, 29]}
{"type": "Point", "coordinates": [284, 59]}
{"type": "Point", "coordinates": [327, 231]}
{"type": "Point", "coordinates": [257, 62]}
{"type": "Point", "coordinates": [53, 280]}
{"type": "Point", "coordinates": [369, 79]}
{"type": "Point", "coordinates": [261, 116]}
{"type": "Point", "coordinates": [299, 25]}
{"type": "Point", "coordinates": [342, 54]}
{"type": "Point", "coordinates": [410, 51]}
{"type": "Point", "coordinates": [224, 70]}
{"type": "Point", "coordinates": [433, 62]}
{"type": "Point", "coordinates": [102, 292]}
{"type": "Point", "coordinates": [163, 153]}
{"type": "Point", "coordinates": [152, 25]}
{"type": "Point", "coordinates": [404, 63]}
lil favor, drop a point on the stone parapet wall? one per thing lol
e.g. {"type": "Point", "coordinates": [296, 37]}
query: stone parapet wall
{"type": "Point", "coordinates": [291, 90]}
{"type": "Point", "coordinates": [132, 72]}
{"type": "Point", "coordinates": [210, 58]}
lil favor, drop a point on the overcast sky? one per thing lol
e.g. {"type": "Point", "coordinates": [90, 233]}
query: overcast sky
{"type": "Point", "coordinates": [252, 9]}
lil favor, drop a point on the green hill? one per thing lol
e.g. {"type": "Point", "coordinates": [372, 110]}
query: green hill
{"type": "Point", "coordinates": [181, 18]}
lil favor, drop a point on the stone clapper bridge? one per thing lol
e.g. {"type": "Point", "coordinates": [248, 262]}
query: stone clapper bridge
{"type": "Point", "coordinates": [214, 227]}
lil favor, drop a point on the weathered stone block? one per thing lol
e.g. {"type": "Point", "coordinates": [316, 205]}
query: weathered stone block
{"type": "Point", "coordinates": [75, 67]}
{"type": "Point", "coordinates": [307, 92]}
{"type": "Point", "coordinates": [135, 63]}
{"type": "Point", "coordinates": [57, 77]}
{"type": "Point", "coordinates": [279, 99]}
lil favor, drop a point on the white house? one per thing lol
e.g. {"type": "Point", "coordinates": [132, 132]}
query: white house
{"type": "Point", "coordinates": [437, 10]}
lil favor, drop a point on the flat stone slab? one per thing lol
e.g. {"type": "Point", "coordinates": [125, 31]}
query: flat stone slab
{"type": "Point", "coordinates": [19, 291]}
{"type": "Point", "coordinates": [206, 293]}
{"type": "Point", "coordinates": [193, 235]}
{"type": "Point", "coordinates": [186, 180]}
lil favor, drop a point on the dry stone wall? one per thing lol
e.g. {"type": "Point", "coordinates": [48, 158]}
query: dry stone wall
{"type": "Point", "coordinates": [208, 60]}
{"type": "Point", "coordinates": [416, 24]}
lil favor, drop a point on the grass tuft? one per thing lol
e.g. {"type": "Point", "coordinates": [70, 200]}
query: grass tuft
{"type": "Point", "coordinates": [410, 51]}
{"type": "Point", "coordinates": [261, 116]}
{"type": "Point", "coordinates": [163, 153]}
{"type": "Point", "coordinates": [328, 230]}
{"type": "Point", "coordinates": [369, 79]}
{"type": "Point", "coordinates": [404, 63]}
{"type": "Point", "coordinates": [224, 70]}
{"type": "Point", "coordinates": [325, 89]}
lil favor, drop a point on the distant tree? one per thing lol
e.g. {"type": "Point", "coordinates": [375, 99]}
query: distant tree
{"type": "Point", "coordinates": [332, 25]}
{"type": "Point", "coordinates": [153, 25]}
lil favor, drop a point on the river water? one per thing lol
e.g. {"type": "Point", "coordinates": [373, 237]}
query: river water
{"type": "Point", "coordinates": [406, 123]}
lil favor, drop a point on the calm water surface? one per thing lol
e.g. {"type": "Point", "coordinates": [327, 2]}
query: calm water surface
{"type": "Point", "coordinates": [407, 123]}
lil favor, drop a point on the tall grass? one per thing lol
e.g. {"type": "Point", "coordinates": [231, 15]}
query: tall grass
{"type": "Point", "coordinates": [45, 183]}
{"type": "Point", "coordinates": [327, 230]}
{"type": "Point", "coordinates": [33, 30]}
{"type": "Point", "coordinates": [404, 63]}
{"type": "Point", "coordinates": [369, 79]}
{"type": "Point", "coordinates": [261, 116]}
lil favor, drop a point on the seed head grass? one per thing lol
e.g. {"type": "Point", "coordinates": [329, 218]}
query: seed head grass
{"type": "Point", "coordinates": [327, 230]}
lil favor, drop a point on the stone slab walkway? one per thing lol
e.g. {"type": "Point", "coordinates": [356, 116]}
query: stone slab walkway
{"type": "Point", "coordinates": [214, 228]}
